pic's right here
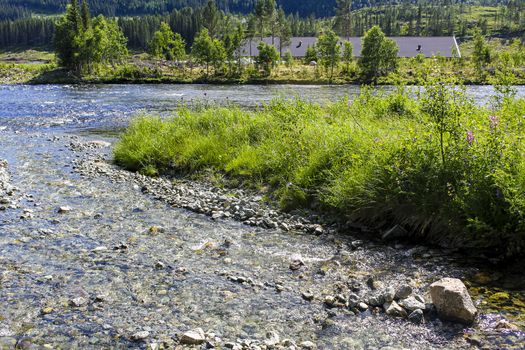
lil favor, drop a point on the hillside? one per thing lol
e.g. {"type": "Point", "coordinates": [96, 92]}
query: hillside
{"type": "Point", "coordinates": [13, 9]}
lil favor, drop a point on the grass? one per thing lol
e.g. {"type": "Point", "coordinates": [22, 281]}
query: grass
{"type": "Point", "coordinates": [377, 159]}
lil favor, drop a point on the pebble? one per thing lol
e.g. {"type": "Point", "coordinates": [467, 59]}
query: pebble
{"type": "Point", "coordinates": [140, 336]}
{"type": "Point", "coordinates": [78, 302]}
{"type": "Point", "coordinates": [362, 306]}
{"type": "Point", "coordinates": [193, 337]}
{"type": "Point", "coordinates": [64, 210]}
{"type": "Point", "coordinates": [307, 345]}
{"type": "Point", "coordinates": [307, 296]}
{"type": "Point", "coordinates": [296, 264]}
{"type": "Point", "coordinates": [99, 249]}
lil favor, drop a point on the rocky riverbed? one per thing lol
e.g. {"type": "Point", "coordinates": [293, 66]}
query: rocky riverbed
{"type": "Point", "coordinates": [92, 256]}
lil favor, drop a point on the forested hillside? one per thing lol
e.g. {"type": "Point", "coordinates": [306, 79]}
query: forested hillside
{"type": "Point", "coordinates": [13, 9]}
{"type": "Point", "coordinates": [30, 23]}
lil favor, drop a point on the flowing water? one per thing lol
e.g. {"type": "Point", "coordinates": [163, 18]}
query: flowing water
{"type": "Point", "coordinates": [93, 276]}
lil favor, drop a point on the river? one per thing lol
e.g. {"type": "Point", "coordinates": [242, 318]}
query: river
{"type": "Point", "coordinates": [116, 262]}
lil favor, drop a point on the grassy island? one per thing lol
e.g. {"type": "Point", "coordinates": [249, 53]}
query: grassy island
{"type": "Point", "coordinates": [446, 169]}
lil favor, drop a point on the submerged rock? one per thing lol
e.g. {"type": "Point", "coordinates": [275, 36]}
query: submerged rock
{"type": "Point", "coordinates": [452, 301]}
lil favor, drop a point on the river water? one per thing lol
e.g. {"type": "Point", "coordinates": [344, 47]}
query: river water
{"type": "Point", "coordinates": [101, 272]}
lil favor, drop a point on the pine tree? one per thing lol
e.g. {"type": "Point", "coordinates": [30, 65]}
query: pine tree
{"type": "Point", "coordinates": [344, 17]}
{"type": "Point", "coordinates": [86, 15]}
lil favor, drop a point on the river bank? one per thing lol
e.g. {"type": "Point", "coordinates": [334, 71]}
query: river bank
{"type": "Point", "coordinates": [34, 67]}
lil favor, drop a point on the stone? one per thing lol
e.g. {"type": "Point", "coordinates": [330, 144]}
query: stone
{"type": "Point", "coordinates": [403, 292]}
{"type": "Point", "coordinates": [374, 284]}
{"type": "Point", "coordinates": [308, 345]}
{"type": "Point", "coordinates": [99, 249]}
{"type": "Point", "coordinates": [389, 294]}
{"type": "Point", "coordinates": [288, 343]}
{"type": "Point", "coordinates": [452, 301]}
{"type": "Point", "coordinates": [410, 304]}
{"type": "Point", "coordinates": [362, 306]}
{"type": "Point", "coordinates": [272, 339]}
{"type": "Point", "coordinates": [307, 296]}
{"type": "Point", "coordinates": [296, 264]}
{"type": "Point", "coordinates": [193, 337]}
{"type": "Point", "coordinates": [47, 310]}
{"type": "Point", "coordinates": [353, 300]}
{"type": "Point", "coordinates": [329, 300]}
{"type": "Point", "coordinates": [159, 265]}
{"type": "Point", "coordinates": [140, 335]}
{"type": "Point", "coordinates": [78, 302]}
{"type": "Point", "coordinates": [504, 324]}
{"type": "Point", "coordinates": [393, 309]}
{"type": "Point", "coordinates": [416, 316]}
{"type": "Point", "coordinates": [64, 210]}
{"type": "Point", "coordinates": [376, 300]}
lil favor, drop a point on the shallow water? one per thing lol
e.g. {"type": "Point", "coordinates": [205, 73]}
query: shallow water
{"type": "Point", "coordinates": [47, 259]}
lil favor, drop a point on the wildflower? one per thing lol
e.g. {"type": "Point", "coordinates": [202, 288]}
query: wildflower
{"type": "Point", "coordinates": [494, 121]}
{"type": "Point", "coordinates": [470, 137]}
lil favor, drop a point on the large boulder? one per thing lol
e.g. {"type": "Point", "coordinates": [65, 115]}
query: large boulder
{"type": "Point", "coordinates": [452, 301]}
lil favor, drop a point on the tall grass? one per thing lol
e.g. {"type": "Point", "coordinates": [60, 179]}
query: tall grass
{"type": "Point", "coordinates": [446, 169]}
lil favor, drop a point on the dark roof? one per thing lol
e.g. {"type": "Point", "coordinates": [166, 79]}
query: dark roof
{"type": "Point", "coordinates": [445, 46]}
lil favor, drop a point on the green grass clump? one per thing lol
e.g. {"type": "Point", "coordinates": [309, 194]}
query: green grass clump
{"type": "Point", "coordinates": [448, 170]}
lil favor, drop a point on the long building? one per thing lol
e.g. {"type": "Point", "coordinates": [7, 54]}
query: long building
{"type": "Point", "coordinates": [445, 46]}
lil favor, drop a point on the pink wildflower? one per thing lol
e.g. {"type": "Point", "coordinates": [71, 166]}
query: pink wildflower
{"type": "Point", "coordinates": [494, 121]}
{"type": "Point", "coordinates": [470, 137]}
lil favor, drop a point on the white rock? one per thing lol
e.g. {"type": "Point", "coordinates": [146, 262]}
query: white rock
{"type": "Point", "coordinates": [140, 335]}
{"type": "Point", "coordinates": [452, 301]}
{"type": "Point", "coordinates": [193, 337]}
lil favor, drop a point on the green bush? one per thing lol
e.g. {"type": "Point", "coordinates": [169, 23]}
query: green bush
{"type": "Point", "coordinates": [446, 169]}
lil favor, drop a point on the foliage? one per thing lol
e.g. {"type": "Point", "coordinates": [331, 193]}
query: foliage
{"type": "Point", "coordinates": [288, 59]}
{"type": "Point", "coordinates": [166, 44]}
{"type": "Point", "coordinates": [329, 51]}
{"type": "Point", "coordinates": [208, 51]}
{"type": "Point", "coordinates": [481, 55]}
{"type": "Point", "coordinates": [267, 58]}
{"type": "Point", "coordinates": [81, 43]}
{"type": "Point", "coordinates": [311, 54]}
{"type": "Point", "coordinates": [348, 54]}
{"type": "Point", "coordinates": [375, 159]}
{"type": "Point", "coordinates": [378, 56]}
